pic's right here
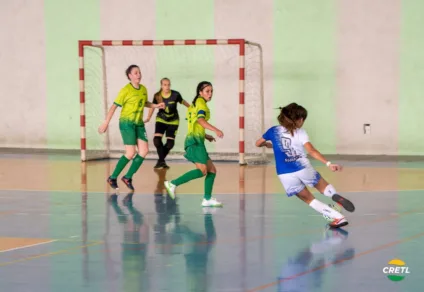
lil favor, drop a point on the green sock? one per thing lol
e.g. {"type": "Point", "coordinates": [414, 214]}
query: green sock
{"type": "Point", "coordinates": [135, 165]}
{"type": "Point", "coordinates": [188, 176]}
{"type": "Point", "coordinates": [209, 180]}
{"type": "Point", "coordinates": [123, 161]}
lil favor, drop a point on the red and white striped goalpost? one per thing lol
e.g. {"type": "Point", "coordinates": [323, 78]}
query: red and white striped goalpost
{"type": "Point", "coordinates": [241, 43]}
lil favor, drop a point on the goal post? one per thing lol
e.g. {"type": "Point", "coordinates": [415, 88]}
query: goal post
{"type": "Point", "coordinates": [239, 107]}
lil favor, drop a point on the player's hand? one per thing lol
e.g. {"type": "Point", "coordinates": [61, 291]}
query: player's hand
{"type": "Point", "coordinates": [219, 133]}
{"type": "Point", "coordinates": [161, 105]}
{"type": "Point", "coordinates": [268, 145]}
{"type": "Point", "coordinates": [210, 138]}
{"type": "Point", "coordinates": [335, 167]}
{"type": "Point", "coordinates": [103, 127]}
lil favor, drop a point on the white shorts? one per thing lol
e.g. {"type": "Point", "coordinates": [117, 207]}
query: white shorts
{"type": "Point", "coordinates": [295, 182]}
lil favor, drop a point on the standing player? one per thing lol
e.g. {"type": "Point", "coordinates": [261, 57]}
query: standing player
{"type": "Point", "coordinates": [293, 167]}
{"type": "Point", "coordinates": [132, 98]}
{"type": "Point", "coordinates": [167, 120]}
{"type": "Point", "coordinates": [198, 115]}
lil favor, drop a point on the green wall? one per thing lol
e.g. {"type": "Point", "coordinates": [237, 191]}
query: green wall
{"type": "Point", "coordinates": [411, 92]}
{"type": "Point", "coordinates": [66, 23]}
{"type": "Point", "coordinates": [304, 64]}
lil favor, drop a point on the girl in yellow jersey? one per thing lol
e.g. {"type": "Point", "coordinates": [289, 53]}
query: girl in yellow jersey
{"type": "Point", "coordinates": [198, 115]}
{"type": "Point", "coordinates": [133, 99]}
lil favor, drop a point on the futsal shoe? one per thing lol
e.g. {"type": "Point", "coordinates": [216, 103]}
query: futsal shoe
{"type": "Point", "coordinates": [345, 203]}
{"type": "Point", "coordinates": [337, 223]}
{"type": "Point", "coordinates": [170, 188]}
{"type": "Point", "coordinates": [212, 202]}
{"type": "Point", "coordinates": [113, 183]}
{"type": "Point", "coordinates": [128, 182]}
{"type": "Point", "coordinates": [159, 165]}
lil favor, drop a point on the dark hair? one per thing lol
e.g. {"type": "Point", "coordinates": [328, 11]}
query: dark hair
{"type": "Point", "coordinates": [202, 85]}
{"type": "Point", "coordinates": [129, 69]}
{"type": "Point", "coordinates": [290, 114]}
{"type": "Point", "coordinates": [158, 95]}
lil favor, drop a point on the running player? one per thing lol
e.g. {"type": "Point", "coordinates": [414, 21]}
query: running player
{"type": "Point", "coordinates": [167, 120]}
{"type": "Point", "coordinates": [294, 168]}
{"type": "Point", "coordinates": [132, 98]}
{"type": "Point", "coordinates": [198, 115]}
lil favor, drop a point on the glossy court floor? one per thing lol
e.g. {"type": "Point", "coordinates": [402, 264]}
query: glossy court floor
{"type": "Point", "coordinates": [62, 229]}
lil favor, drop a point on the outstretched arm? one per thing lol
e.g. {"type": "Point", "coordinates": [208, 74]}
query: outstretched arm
{"type": "Point", "coordinates": [153, 105]}
{"type": "Point", "coordinates": [186, 104]}
{"type": "Point", "coordinates": [318, 156]}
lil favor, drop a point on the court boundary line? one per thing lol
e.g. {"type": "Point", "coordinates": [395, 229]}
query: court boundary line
{"type": "Point", "coordinates": [324, 266]}
{"type": "Point", "coordinates": [149, 194]}
{"type": "Point", "coordinates": [28, 246]}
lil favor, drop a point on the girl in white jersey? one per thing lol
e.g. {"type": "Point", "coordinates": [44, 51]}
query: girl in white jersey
{"type": "Point", "coordinates": [294, 170]}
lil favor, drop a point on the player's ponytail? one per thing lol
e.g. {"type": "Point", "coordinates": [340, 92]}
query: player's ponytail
{"type": "Point", "coordinates": [290, 115]}
{"type": "Point", "coordinates": [202, 85]}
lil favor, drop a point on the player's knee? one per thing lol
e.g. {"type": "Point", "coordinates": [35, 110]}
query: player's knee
{"type": "Point", "coordinates": [157, 141]}
{"type": "Point", "coordinates": [202, 168]}
{"type": "Point", "coordinates": [129, 153]}
{"type": "Point", "coordinates": [212, 169]}
{"type": "Point", "coordinates": [143, 151]}
{"type": "Point", "coordinates": [170, 144]}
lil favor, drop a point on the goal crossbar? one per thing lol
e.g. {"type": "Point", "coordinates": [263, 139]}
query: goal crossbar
{"type": "Point", "coordinates": [241, 43]}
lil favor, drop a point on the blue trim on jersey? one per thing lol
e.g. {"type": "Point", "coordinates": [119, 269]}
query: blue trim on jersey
{"type": "Point", "coordinates": [286, 159]}
{"type": "Point", "coordinates": [201, 113]}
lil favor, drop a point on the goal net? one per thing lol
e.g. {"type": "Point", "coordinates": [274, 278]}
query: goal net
{"type": "Point", "coordinates": [234, 67]}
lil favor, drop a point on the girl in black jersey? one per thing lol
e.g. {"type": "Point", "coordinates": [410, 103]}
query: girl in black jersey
{"type": "Point", "coordinates": [167, 120]}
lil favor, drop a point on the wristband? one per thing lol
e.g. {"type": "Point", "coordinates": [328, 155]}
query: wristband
{"type": "Point", "coordinates": [328, 163]}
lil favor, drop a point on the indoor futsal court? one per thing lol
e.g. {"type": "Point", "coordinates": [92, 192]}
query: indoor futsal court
{"type": "Point", "coordinates": [62, 229]}
{"type": "Point", "coordinates": [172, 145]}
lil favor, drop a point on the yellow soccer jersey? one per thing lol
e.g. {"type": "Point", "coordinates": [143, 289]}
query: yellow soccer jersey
{"type": "Point", "coordinates": [196, 133]}
{"type": "Point", "coordinates": [132, 101]}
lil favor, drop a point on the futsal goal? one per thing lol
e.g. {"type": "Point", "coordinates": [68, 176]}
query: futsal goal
{"type": "Point", "coordinates": [234, 66]}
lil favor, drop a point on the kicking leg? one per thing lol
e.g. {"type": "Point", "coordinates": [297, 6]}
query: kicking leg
{"type": "Point", "coordinates": [329, 191]}
{"type": "Point", "coordinates": [338, 219]}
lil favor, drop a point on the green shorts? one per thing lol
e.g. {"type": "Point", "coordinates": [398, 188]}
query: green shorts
{"type": "Point", "coordinates": [197, 153]}
{"type": "Point", "coordinates": [131, 133]}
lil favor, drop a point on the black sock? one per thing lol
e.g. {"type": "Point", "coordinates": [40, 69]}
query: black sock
{"type": "Point", "coordinates": [157, 141]}
{"type": "Point", "coordinates": [168, 146]}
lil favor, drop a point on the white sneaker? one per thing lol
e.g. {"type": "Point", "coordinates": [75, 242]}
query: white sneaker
{"type": "Point", "coordinates": [170, 188]}
{"type": "Point", "coordinates": [212, 202]}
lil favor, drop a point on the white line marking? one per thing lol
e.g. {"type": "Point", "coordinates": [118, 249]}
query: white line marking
{"type": "Point", "coordinates": [246, 194]}
{"type": "Point", "coordinates": [27, 246]}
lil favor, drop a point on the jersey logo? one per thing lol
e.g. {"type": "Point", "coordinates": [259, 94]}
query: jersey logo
{"type": "Point", "coordinates": [287, 149]}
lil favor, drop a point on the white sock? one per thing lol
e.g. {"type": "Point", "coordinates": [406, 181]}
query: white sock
{"type": "Point", "coordinates": [329, 191]}
{"type": "Point", "coordinates": [325, 209]}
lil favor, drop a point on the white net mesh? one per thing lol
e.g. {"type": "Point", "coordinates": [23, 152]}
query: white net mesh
{"type": "Point", "coordinates": [186, 66]}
